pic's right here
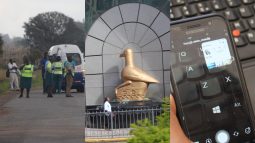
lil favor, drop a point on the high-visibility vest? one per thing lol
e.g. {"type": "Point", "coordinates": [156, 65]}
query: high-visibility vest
{"type": "Point", "coordinates": [27, 71]}
{"type": "Point", "coordinates": [57, 68]}
{"type": "Point", "coordinates": [48, 67]}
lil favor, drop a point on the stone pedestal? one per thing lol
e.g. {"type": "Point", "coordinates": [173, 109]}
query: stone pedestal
{"type": "Point", "coordinates": [133, 91]}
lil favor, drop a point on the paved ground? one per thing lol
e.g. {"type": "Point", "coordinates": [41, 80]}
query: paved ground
{"type": "Point", "coordinates": [42, 120]}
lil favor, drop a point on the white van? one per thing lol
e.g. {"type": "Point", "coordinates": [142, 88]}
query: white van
{"type": "Point", "coordinates": [65, 50]}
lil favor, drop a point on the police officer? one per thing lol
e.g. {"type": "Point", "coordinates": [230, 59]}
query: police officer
{"type": "Point", "coordinates": [42, 65]}
{"type": "Point", "coordinates": [57, 67]}
{"type": "Point", "coordinates": [48, 76]}
{"type": "Point", "coordinates": [69, 74]}
{"type": "Point", "coordinates": [26, 77]}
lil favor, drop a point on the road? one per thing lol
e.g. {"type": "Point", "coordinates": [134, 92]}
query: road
{"type": "Point", "coordinates": [39, 119]}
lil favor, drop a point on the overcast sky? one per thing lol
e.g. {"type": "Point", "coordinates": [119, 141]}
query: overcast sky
{"type": "Point", "coordinates": [13, 13]}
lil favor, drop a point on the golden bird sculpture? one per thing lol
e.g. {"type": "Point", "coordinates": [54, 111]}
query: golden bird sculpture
{"type": "Point", "coordinates": [136, 81]}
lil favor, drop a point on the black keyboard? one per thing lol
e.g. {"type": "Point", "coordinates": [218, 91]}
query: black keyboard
{"type": "Point", "coordinates": [240, 14]}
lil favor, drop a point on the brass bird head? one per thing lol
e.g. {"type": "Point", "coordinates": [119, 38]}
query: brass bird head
{"type": "Point", "coordinates": [126, 52]}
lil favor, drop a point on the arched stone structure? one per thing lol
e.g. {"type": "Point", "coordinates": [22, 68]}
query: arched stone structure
{"type": "Point", "coordinates": [141, 27]}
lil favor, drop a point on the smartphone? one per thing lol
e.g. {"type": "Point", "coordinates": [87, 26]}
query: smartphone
{"type": "Point", "coordinates": [211, 97]}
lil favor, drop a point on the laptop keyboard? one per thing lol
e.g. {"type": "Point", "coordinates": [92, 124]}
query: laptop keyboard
{"type": "Point", "coordinates": [239, 13]}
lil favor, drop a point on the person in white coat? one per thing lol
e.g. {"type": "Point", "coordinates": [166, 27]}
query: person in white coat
{"type": "Point", "coordinates": [108, 113]}
{"type": "Point", "coordinates": [13, 69]}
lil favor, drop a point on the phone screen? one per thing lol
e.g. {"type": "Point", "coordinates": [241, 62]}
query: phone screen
{"type": "Point", "coordinates": [216, 53]}
{"type": "Point", "coordinates": [211, 101]}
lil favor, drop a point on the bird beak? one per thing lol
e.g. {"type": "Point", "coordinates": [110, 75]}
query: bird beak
{"type": "Point", "coordinates": [122, 55]}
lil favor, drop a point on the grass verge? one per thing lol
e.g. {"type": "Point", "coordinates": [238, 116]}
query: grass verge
{"type": "Point", "coordinates": [36, 82]}
{"type": "Point", "coordinates": [4, 86]}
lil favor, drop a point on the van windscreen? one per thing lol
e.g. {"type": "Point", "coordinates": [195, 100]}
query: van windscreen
{"type": "Point", "coordinates": [75, 58]}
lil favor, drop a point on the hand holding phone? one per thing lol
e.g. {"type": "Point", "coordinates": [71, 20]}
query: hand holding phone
{"type": "Point", "coordinates": [211, 98]}
{"type": "Point", "coordinates": [176, 133]}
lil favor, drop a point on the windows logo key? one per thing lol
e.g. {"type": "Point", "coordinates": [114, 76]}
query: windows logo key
{"type": "Point", "coordinates": [216, 110]}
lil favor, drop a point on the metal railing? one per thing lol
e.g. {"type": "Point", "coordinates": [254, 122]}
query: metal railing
{"type": "Point", "coordinates": [116, 125]}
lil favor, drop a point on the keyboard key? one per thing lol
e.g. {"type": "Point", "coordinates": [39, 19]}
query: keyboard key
{"type": "Point", "coordinates": [239, 41]}
{"type": "Point", "coordinates": [251, 23]}
{"type": "Point", "coordinates": [200, 52]}
{"type": "Point", "coordinates": [245, 12]}
{"type": "Point", "coordinates": [194, 71]}
{"type": "Point", "coordinates": [188, 92]}
{"type": "Point", "coordinates": [238, 110]}
{"type": "Point", "coordinates": [218, 5]}
{"type": "Point", "coordinates": [194, 116]}
{"type": "Point", "coordinates": [251, 37]}
{"type": "Point", "coordinates": [203, 8]}
{"type": "Point", "coordinates": [210, 87]}
{"type": "Point", "coordinates": [193, 1]}
{"type": "Point", "coordinates": [230, 15]}
{"type": "Point", "coordinates": [253, 7]}
{"type": "Point", "coordinates": [233, 3]}
{"type": "Point", "coordinates": [231, 84]}
{"type": "Point", "coordinates": [248, 1]}
{"type": "Point", "coordinates": [185, 56]}
{"type": "Point", "coordinates": [219, 110]}
{"type": "Point", "coordinates": [175, 13]}
{"type": "Point", "coordinates": [227, 81]}
{"type": "Point", "coordinates": [240, 25]}
{"type": "Point", "coordinates": [189, 11]}
{"type": "Point", "coordinates": [236, 32]}
{"type": "Point", "coordinates": [177, 2]}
